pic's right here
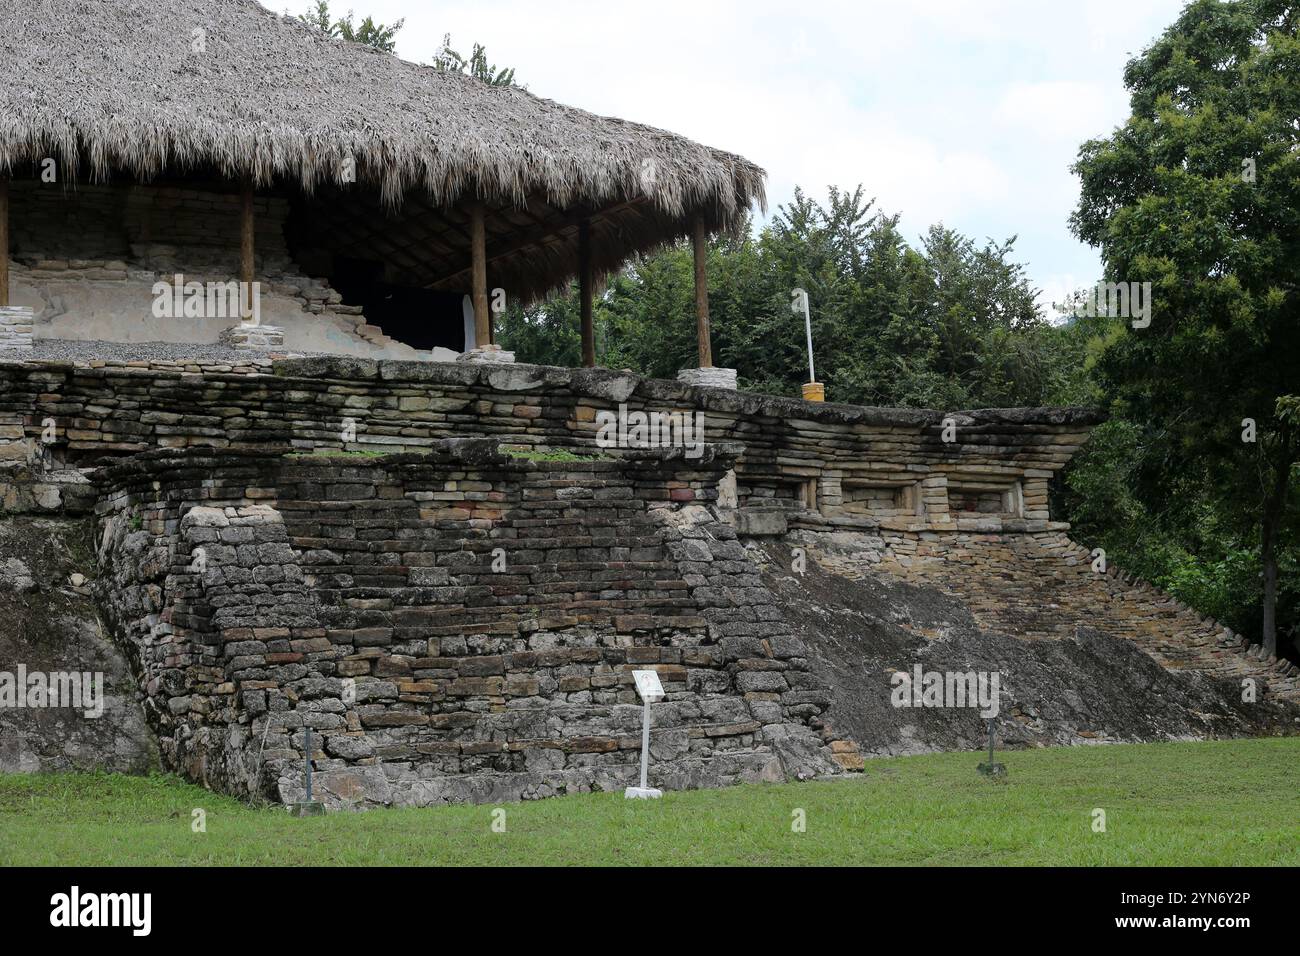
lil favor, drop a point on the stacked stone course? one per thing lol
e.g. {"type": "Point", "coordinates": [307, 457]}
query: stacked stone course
{"type": "Point", "coordinates": [262, 593]}
{"type": "Point", "coordinates": [307, 403]}
{"type": "Point", "coordinates": [15, 329]}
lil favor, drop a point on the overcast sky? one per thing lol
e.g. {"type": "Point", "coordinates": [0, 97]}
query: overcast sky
{"type": "Point", "coordinates": [966, 113]}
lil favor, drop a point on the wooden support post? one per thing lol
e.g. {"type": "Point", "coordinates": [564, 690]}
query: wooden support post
{"type": "Point", "coordinates": [700, 240]}
{"type": "Point", "coordinates": [585, 283]}
{"type": "Point", "coordinates": [246, 249]}
{"type": "Point", "coordinates": [4, 240]}
{"type": "Point", "coordinates": [478, 275]}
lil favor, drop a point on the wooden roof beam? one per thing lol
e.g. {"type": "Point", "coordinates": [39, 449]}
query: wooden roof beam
{"type": "Point", "coordinates": [542, 234]}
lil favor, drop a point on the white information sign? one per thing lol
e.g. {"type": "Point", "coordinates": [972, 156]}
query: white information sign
{"type": "Point", "coordinates": [647, 685]}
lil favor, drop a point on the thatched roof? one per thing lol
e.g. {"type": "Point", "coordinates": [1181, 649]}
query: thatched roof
{"type": "Point", "coordinates": [113, 86]}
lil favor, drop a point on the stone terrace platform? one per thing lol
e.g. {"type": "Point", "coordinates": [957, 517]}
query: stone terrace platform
{"type": "Point", "coordinates": [347, 513]}
{"type": "Point", "coordinates": [843, 466]}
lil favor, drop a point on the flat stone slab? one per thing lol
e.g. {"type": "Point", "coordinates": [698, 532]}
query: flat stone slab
{"type": "Point", "coordinates": [750, 522]}
{"type": "Point", "coordinates": [708, 377]}
{"type": "Point", "coordinates": [253, 337]}
{"type": "Point", "coordinates": [488, 355]}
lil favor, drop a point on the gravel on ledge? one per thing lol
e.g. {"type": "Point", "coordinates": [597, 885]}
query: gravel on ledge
{"type": "Point", "coordinates": [67, 350]}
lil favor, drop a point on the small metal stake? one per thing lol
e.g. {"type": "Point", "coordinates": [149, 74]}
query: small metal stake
{"type": "Point", "coordinates": [308, 807]}
{"type": "Point", "coordinates": [992, 768]}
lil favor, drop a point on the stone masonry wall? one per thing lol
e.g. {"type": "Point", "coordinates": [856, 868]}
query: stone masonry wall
{"type": "Point", "coordinates": [953, 500]}
{"type": "Point", "coordinates": [261, 591]}
{"type": "Point", "coordinates": [15, 329]}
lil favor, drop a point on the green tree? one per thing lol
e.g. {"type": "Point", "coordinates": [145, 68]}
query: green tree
{"type": "Point", "coordinates": [1199, 194]}
{"type": "Point", "coordinates": [546, 333]}
{"type": "Point", "coordinates": [949, 324]}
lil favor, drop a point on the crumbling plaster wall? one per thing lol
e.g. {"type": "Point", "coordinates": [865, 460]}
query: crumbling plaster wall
{"type": "Point", "coordinates": [87, 256]}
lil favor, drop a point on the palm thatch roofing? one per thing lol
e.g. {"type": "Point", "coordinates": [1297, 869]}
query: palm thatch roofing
{"type": "Point", "coordinates": [228, 89]}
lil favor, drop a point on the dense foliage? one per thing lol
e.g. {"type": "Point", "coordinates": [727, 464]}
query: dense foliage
{"type": "Point", "coordinates": [475, 65]}
{"type": "Point", "coordinates": [1199, 194]}
{"type": "Point", "coordinates": [948, 324]}
{"type": "Point", "coordinates": [383, 37]}
{"type": "Point", "coordinates": [378, 35]}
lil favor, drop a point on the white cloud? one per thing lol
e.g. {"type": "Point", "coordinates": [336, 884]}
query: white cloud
{"type": "Point", "coordinates": [1061, 109]}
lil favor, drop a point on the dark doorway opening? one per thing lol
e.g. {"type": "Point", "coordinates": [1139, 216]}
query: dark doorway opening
{"type": "Point", "coordinates": [421, 318]}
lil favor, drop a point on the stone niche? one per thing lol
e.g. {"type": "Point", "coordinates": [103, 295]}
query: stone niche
{"type": "Point", "coordinates": [453, 626]}
{"type": "Point", "coordinates": [975, 498]}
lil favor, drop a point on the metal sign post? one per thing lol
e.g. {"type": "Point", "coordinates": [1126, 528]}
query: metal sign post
{"type": "Point", "coordinates": [650, 689]}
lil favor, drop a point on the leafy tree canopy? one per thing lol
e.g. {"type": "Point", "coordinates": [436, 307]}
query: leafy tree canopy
{"type": "Point", "coordinates": [1199, 194]}
{"type": "Point", "coordinates": [947, 323]}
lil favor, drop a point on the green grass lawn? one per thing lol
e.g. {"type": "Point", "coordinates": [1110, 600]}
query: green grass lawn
{"type": "Point", "coordinates": [1216, 803]}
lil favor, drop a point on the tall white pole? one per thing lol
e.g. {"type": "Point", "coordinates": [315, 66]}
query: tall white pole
{"type": "Point", "coordinates": [799, 303]}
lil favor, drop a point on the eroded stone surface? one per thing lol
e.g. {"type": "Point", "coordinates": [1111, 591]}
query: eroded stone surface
{"type": "Point", "coordinates": [51, 627]}
{"type": "Point", "coordinates": [259, 592]}
{"type": "Point", "coordinates": [1082, 658]}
